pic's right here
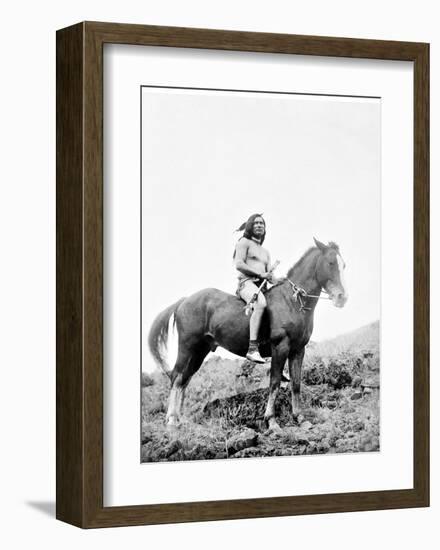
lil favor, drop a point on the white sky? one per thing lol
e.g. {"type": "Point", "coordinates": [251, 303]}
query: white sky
{"type": "Point", "coordinates": [210, 159]}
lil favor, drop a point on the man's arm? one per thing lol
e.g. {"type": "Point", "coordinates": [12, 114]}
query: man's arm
{"type": "Point", "coordinates": [241, 251]}
{"type": "Point", "coordinates": [271, 277]}
{"type": "Point", "coordinates": [268, 262]}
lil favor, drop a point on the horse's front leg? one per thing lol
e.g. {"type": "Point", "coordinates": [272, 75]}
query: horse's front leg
{"type": "Point", "coordinates": [279, 356]}
{"type": "Point", "coordinates": [295, 364]}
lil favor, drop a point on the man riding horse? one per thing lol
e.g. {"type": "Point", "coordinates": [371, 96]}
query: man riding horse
{"type": "Point", "coordinates": [252, 261]}
{"type": "Point", "coordinates": [210, 318]}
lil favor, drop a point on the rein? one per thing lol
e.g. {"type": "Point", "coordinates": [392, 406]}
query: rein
{"type": "Point", "coordinates": [300, 293]}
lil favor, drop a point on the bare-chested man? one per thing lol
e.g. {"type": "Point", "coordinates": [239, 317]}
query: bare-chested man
{"type": "Point", "coordinates": [252, 261]}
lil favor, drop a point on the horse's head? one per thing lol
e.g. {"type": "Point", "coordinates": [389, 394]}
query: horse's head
{"type": "Point", "coordinates": [330, 272]}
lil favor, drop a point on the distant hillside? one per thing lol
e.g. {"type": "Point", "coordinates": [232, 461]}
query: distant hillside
{"type": "Point", "coordinates": [363, 338]}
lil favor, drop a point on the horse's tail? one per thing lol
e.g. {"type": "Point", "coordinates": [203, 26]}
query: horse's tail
{"type": "Point", "coordinates": [158, 336]}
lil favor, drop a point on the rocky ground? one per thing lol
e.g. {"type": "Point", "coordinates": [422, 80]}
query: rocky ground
{"type": "Point", "coordinates": [226, 400]}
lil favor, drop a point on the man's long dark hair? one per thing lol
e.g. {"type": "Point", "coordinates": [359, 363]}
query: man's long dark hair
{"type": "Point", "coordinates": [248, 228]}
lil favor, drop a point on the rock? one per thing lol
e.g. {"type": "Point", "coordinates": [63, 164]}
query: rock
{"type": "Point", "coordinates": [212, 453]}
{"type": "Point", "coordinates": [172, 448]}
{"type": "Point", "coordinates": [368, 391]}
{"type": "Point", "coordinates": [246, 409]}
{"type": "Point", "coordinates": [302, 440]}
{"type": "Point", "coordinates": [248, 452]}
{"type": "Point", "coordinates": [246, 438]}
{"type": "Point", "coordinates": [178, 456]}
{"type": "Point", "coordinates": [306, 425]}
{"type": "Point", "coordinates": [286, 452]}
{"type": "Point", "coordinates": [274, 432]}
{"type": "Point", "coordinates": [147, 380]}
{"type": "Point", "coordinates": [247, 368]}
{"type": "Point", "coordinates": [358, 426]}
{"type": "Point", "coordinates": [369, 443]}
{"type": "Point", "coordinates": [289, 434]}
{"type": "Point", "coordinates": [372, 382]}
{"type": "Point", "coordinates": [221, 455]}
{"type": "Point", "coordinates": [356, 395]}
{"type": "Point", "coordinates": [323, 447]}
{"type": "Point", "coordinates": [197, 452]}
{"type": "Point", "coordinates": [147, 452]}
{"type": "Point", "coordinates": [356, 382]}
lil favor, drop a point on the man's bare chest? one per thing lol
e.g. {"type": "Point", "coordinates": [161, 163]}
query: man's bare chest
{"type": "Point", "coordinates": [257, 253]}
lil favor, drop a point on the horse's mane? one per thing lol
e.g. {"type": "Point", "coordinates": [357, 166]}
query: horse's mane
{"type": "Point", "coordinates": [290, 272]}
{"type": "Point", "coordinates": [300, 261]}
{"type": "Point", "coordinates": [307, 253]}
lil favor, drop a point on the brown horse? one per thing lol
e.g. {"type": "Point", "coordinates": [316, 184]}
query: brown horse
{"type": "Point", "coordinates": [211, 318]}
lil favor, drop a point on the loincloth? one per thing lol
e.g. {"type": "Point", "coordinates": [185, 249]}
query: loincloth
{"type": "Point", "coordinates": [241, 282]}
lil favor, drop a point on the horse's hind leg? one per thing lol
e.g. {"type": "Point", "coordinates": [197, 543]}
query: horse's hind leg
{"type": "Point", "coordinates": [178, 383]}
{"type": "Point", "coordinates": [188, 363]}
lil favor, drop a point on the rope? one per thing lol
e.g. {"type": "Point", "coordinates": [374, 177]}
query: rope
{"type": "Point", "coordinates": [300, 293]}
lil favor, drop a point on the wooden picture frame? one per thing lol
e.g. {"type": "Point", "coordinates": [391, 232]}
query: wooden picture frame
{"type": "Point", "coordinates": [79, 389]}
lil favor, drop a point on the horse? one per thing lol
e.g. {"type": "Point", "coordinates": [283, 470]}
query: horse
{"type": "Point", "coordinates": [211, 318]}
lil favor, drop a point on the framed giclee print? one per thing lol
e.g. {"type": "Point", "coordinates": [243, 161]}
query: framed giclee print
{"type": "Point", "coordinates": [242, 274]}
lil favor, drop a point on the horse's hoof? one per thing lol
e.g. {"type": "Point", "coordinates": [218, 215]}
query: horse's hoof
{"type": "Point", "coordinates": [172, 422]}
{"type": "Point", "coordinates": [274, 427]}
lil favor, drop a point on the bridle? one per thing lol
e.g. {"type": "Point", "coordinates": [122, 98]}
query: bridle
{"type": "Point", "coordinates": [299, 294]}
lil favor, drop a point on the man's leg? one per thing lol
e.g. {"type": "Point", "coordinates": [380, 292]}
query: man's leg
{"type": "Point", "coordinates": [247, 292]}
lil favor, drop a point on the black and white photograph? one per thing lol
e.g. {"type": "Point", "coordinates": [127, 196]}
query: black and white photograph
{"type": "Point", "coordinates": [217, 274]}
{"type": "Point", "coordinates": [260, 274]}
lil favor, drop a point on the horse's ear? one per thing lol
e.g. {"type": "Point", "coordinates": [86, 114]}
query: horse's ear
{"type": "Point", "coordinates": [322, 247]}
